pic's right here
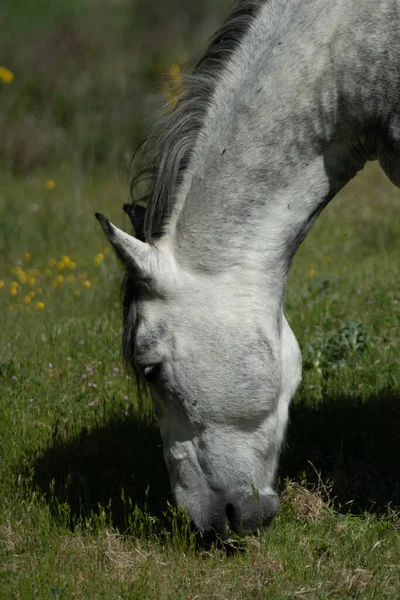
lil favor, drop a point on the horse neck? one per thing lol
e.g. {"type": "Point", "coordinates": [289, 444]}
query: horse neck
{"type": "Point", "coordinates": [293, 118]}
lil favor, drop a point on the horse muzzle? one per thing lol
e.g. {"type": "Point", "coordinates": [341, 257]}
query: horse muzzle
{"type": "Point", "coordinates": [243, 513]}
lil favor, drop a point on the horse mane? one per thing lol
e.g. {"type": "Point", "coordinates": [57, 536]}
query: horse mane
{"type": "Point", "coordinates": [174, 147]}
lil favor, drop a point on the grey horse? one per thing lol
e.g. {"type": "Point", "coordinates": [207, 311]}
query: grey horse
{"type": "Point", "coordinates": [288, 103]}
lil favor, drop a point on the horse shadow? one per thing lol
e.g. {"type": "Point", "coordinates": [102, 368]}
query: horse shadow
{"type": "Point", "coordinates": [352, 443]}
{"type": "Point", "coordinates": [113, 468]}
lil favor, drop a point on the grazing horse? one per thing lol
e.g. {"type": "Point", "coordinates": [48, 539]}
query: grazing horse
{"type": "Point", "coordinates": [288, 103]}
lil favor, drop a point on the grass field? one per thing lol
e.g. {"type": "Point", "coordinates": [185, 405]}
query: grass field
{"type": "Point", "coordinates": [85, 507]}
{"type": "Point", "coordinates": [85, 504]}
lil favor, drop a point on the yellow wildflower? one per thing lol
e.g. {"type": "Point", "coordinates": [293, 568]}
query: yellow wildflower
{"type": "Point", "coordinates": [31, 280]}
{"type": "Point", "coordinates": [52, 262]}
{"type": "Point", "coordinates": [99, 259]}
{"type": "Point", "coordinates": [174, 89]}
{"type": "Point", "coordinates": [26, 256]}
{"type": "Point", "coordinates": [47, 272]}
{"type": "Point", "coordinates": [20, 274]}
{"type": "Point", "coordinates": [6, 76]}
{"type": "Point", "coordinates": [70, 278]}
{"type": "Point", "coordinates": [77, 294]}
{"type": "Point", "coordinates": [312, 272]}
{"type": "Point", "coordinates": [32, 294]}
{"type": "Point", "coordinates": [39, 290]}
{"type": "Point", "coordinates": [27, 299]}
{"type": "Point", "coordinates": [61, 266]}
{"type": "Point", "coordinates": [39, 305]}
{"type": "Point", "coordinates": [13, 291]}
{"type": "Point", "coordinates": [1, 283]}
{"type": "Point", "coordinates": [72, 265]}
{"type": "Point", "coordinates": [86, 283]}
{"type": "Point", "coordinates": [58, 281]}
{"type": "Point", "coordinates": [50, 184]}
{"type": "Point", "coordinates": [175, 73]}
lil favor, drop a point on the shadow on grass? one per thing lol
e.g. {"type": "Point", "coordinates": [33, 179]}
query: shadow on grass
{"type": "Point", "coordinates": [113, 467]}
{"type": "Point", "coordinates": [352, 443]}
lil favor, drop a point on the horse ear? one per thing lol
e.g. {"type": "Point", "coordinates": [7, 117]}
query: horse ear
{"type": "Point", "coordinates": [137, 256]}
{"type": "Point", "coordinates": [136, 213]}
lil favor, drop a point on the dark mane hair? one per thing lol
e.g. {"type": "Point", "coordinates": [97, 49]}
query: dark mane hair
{"type": "Point", "coordinates": [174, 148]}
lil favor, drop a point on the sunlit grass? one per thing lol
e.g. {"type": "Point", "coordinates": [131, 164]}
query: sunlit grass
{"type": "Point", "coordinates": [30, 283]}
{"type": "Point", "coordinates": [85, 503]}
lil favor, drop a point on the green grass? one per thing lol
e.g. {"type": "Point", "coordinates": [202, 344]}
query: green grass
{"type": "Point", "coordinates": [85, 505]}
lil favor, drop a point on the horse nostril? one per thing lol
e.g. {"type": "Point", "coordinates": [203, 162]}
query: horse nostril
{"type": "Point", "coordinates": [246, 514]}
{"type": "Point", "coordinates": [229, 512]}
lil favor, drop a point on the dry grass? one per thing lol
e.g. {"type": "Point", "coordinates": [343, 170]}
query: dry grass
{"type": "Point", "coordinates": [307, 504]}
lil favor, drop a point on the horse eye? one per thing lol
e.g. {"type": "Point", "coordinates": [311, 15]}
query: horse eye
{"type": "Point", "coordinates": [151, 372]}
